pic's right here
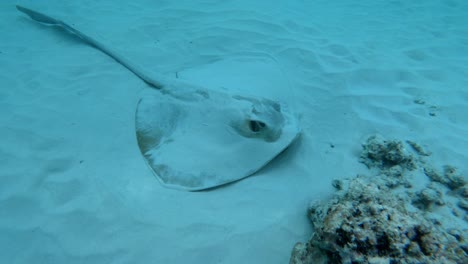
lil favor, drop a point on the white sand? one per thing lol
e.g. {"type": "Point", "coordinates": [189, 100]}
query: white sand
{"type": "Point", "coordinates": [74, 187]}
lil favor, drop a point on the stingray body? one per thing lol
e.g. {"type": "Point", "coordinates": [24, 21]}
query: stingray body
{"type": "Point", "coordinates": [195, 138]}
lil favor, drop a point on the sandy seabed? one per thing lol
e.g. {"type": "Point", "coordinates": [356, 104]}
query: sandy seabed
{"type": "Point", "coordinates": [74, 187]}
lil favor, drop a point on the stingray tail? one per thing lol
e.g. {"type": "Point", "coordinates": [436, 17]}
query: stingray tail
{"type": "Point", "coordinates": [45, 19]}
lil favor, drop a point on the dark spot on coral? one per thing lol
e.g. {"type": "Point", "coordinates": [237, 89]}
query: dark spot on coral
{"type": "Point", "coordinates": [357, 212]}
{"type": "Point", "coordinates": [383, 245]}
{"type": "Point", "coordinates": [334, 257]}
{"type": "Point", "coordinates": [342, 237]}
{"type": "Point", "coordinates": [364, 247]}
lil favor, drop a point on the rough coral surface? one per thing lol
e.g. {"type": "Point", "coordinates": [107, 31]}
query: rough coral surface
{"type": "Point", "coordinates": [385, 154]}
{"type": "Point", "coordinates": [364, 225]}
{"type": "Point", "coordinates": [369, 221]}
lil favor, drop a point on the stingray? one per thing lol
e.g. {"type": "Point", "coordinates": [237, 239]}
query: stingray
{"type": "Point", "coordinates": [195, 138]}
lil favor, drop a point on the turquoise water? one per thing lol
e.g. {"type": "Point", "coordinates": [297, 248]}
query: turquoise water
{"type": "Point", "coordinates": [74, 187]}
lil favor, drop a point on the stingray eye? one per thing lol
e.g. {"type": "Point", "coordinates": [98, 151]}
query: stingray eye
{"type": "Point", "coordinates": [256, 126]}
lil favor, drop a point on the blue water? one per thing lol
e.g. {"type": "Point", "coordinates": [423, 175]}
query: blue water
{"type": "Point", "coordinates": [74, 187]}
